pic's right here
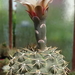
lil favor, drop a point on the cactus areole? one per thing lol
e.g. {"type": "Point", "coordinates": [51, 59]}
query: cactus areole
{"type": "Point", "coordinates": [37, 10]}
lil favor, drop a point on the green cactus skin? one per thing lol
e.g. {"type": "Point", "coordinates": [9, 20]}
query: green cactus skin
{"type": "Point", "coordinates": [46, 62]}
{"type": "Point", "coordinates": [40, 32]}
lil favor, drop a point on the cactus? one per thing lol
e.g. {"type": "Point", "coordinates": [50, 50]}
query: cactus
{"type": "Point", "coordinates": [40, 60]}
{"type": "Point", "coordinates": [29, 62]}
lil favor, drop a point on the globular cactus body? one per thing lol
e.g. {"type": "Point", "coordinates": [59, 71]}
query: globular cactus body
{"type": "Point", "coordinates": [46, 62]}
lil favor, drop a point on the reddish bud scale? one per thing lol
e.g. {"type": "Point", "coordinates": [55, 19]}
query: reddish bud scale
{"type": "Point", "coordinates": [31, 13]}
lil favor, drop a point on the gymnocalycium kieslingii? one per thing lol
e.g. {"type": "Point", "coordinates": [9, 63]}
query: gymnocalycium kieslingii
{"type": "Point", "coordinates": [40, 60]}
